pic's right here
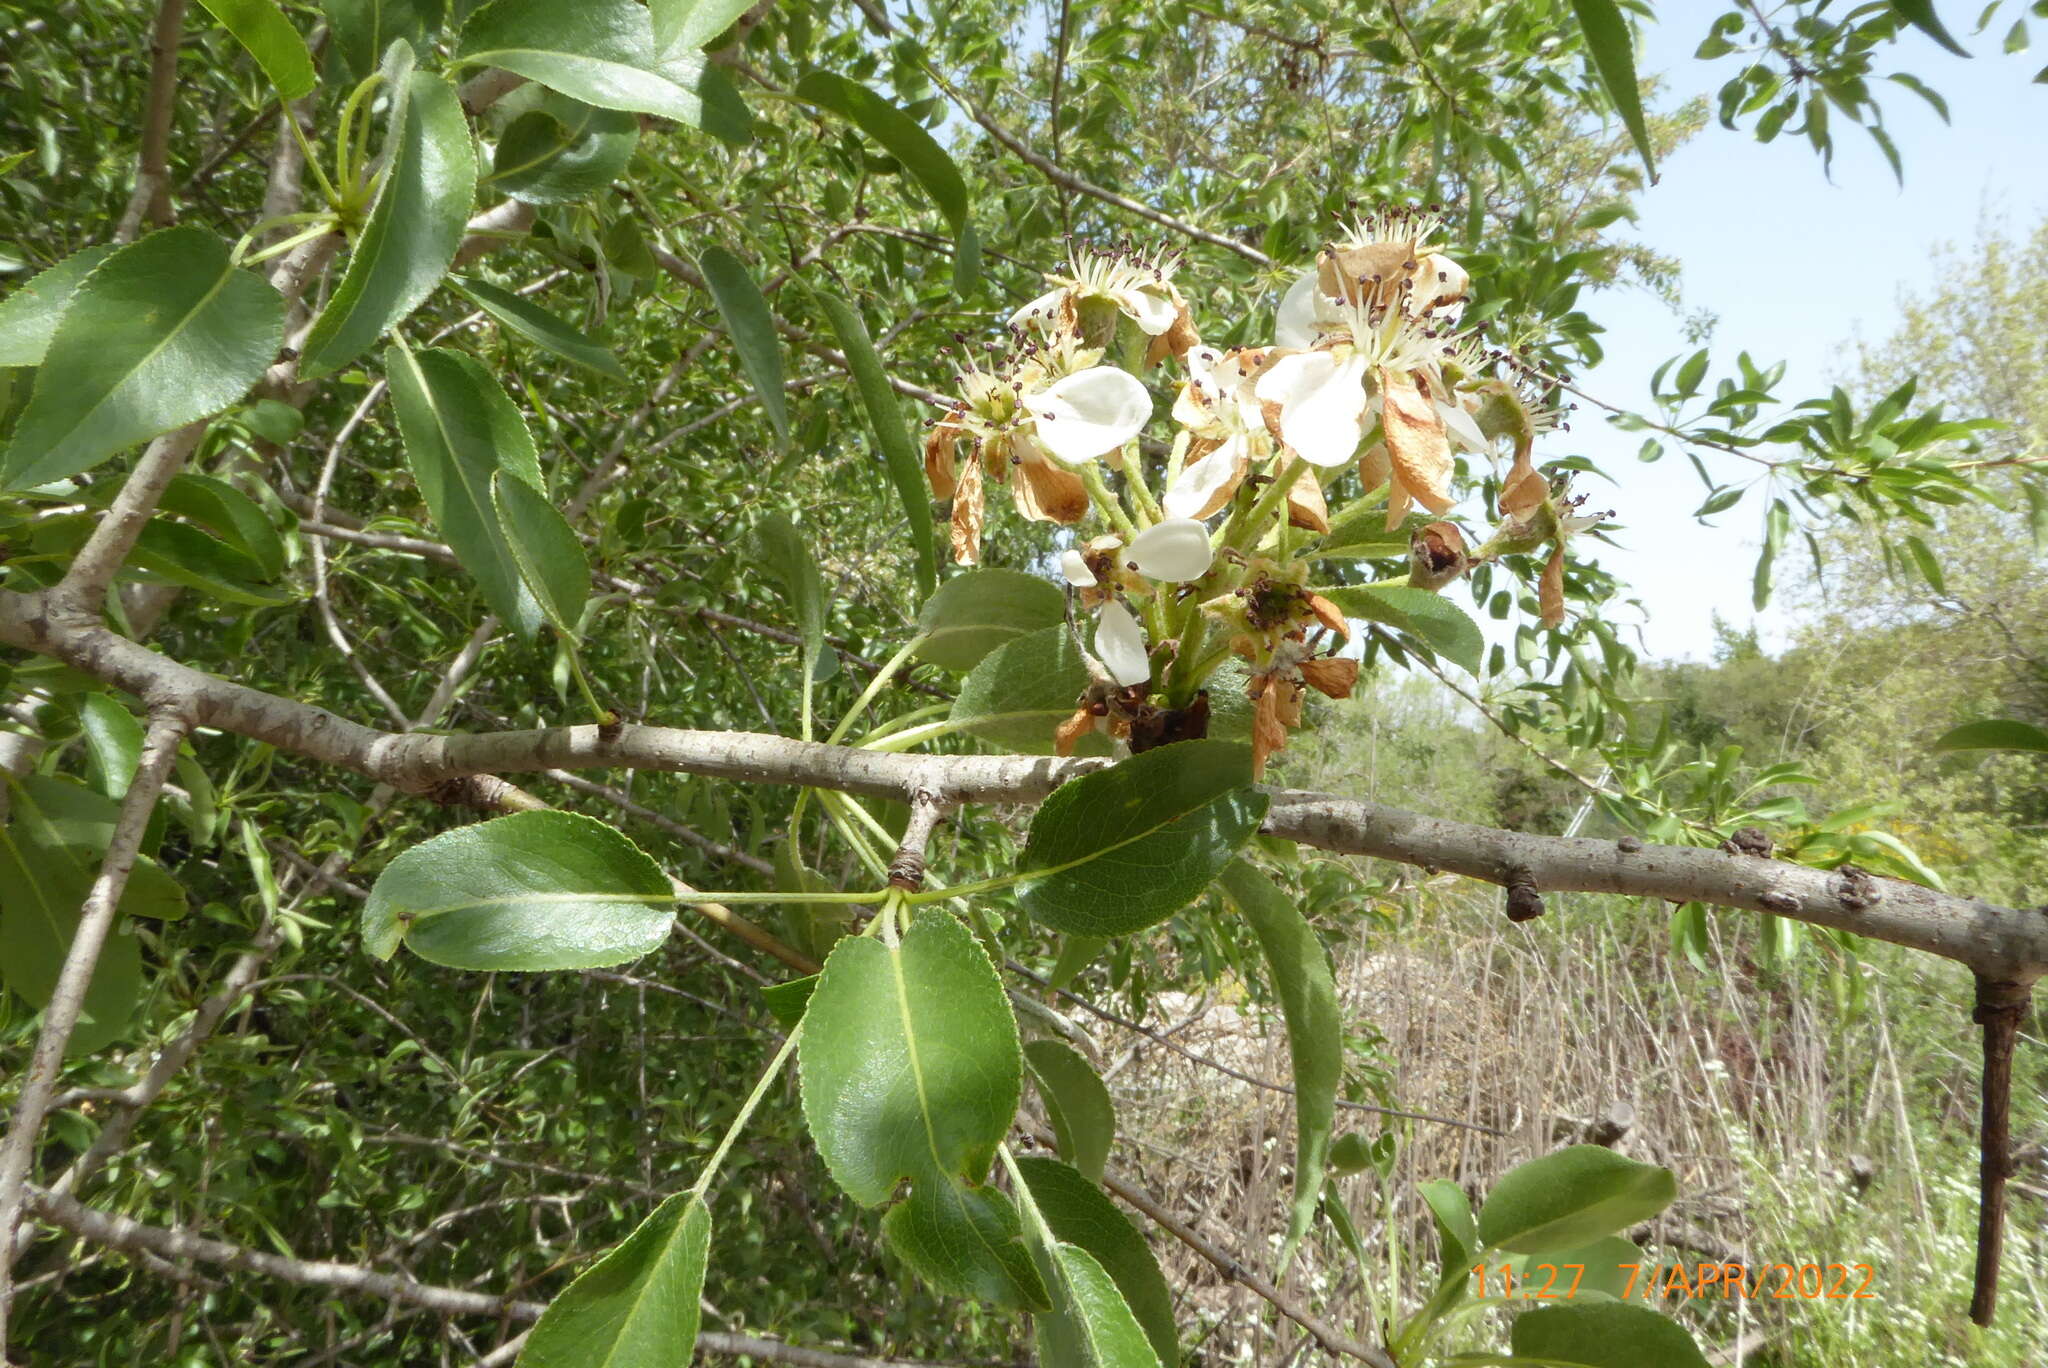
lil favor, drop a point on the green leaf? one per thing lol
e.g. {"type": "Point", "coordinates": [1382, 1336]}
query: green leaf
{"type": "Point", "coordinates": [1315, 1028]}
{"type": "Point", "coordinates": [1080, 1216]}
{"type": "Point", "coordinates": [363, 29]}
{"type": "Point", "coordinates": [1431, 619]}
{"type": "Point", "coordinates": [540, 327]}
{"type": "Point", "coordinates": [911, 1070]}
{"type": "Point", "coordinates": [977, 612]}
{"type": "Point", "coordinates": [1606, 1266]}
{"type": "Point", "coordinates": [28, 317]}
{"type": "Point", "coordinates": [563, 151]}
{"type": "Point", "coordinates": [1076, 954]}
{"type": "Point", "coordinates": [1924, 561]}
{"type": "Point", "coordinates": [899, 453]}
{"type": "Point", "coordinates": [1776, 524]}
{"type": "Point", "coordinates": [1994, 734]}
{"type": "Point", "coordinates": [1457, 1230]}
{"type": "Point", "coordinates": [1571, 1197]}
{"type": "Point", "coordinates": [535, 890]}
{"type": "Point", "coordinates": [177, 553]}
{"type": "Point", "coordinates": [162, 333]}
{"type": "Point", "coordinates": [598, 51]}
{"type": "Point", "coordinates": [690, 24]}
{"type": "Point", "coordinates": [1603, 1334]}
{"type": "Point", "coordinates": [62, 815]}
{"type": "Point", "coordinates": [1126, 847]}
{"type": "Point", "coordinates": [637, 1307]}
{"type": "Point", "coordinates": [966, 1242]}
{"type": "Point", "coordinates": [752, 329]}
{"type": "Point", "coordinates": [787, 558]}
{"type": "Point", "coordinates": [1076, 1102]}
{"type": "Point", "coordinates": [42, 888]}
{"type": "Point", "coordinates": [544, 546]}
{"type": "Point", "coordinates": [461, 429]}
{"type": "Point", "coordinates": [907, 141]}
{"type": "Point", "coordinates": [232, 516]}
{"type": "Point", "coordinates": [1090, 1326]}
{"type": "Point", "coordinates": [1613, 51]}
{"type": "Point", "coordinates": [788, 1001]}
{"type": "Point", "coordinates": [414, 228]}
{"type": "Point", "coordinates": [271, 40]}
{"type": "Point", "coordinates": [1020, 693]}
{"type": "Point", "coordinates": [113, 743]}
{"type": "Point", "coordinates": [1920, 14]}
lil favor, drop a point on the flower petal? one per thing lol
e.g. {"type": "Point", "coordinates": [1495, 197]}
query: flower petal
{"type": "Point", "coordinates": [1206, 485]}
{"type": "Point", "coordinates": [1415, 440]}
{"type": "Point", "coordinates": [1044, 312]}
{"type": "Point", "coordinates": [1074, 566]}
{"type": "Point", "coordinates": [1322, 404]}
{"type": "Point", "coordinates": [1046, 493]}
{"type": "Point", "coordinates": [1462, 427]}
{"type": "Point", "coordinates": [1174, 551]}
{"type": "Point", "coordinates": [1306, 506]}
{"type": "Point", "coordinates": [1120, 643]}
{"type": "Point", "coordinates": [1295, 325]}
{"type": "Point", "coordinates": [1089, 412]}
{"type": "Point", "coordinates": [1153, 312]}
{"type": "Point", "coordinates": [965, 533]}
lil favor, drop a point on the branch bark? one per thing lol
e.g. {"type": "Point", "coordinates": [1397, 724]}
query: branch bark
{"type": "Point", "coordinates": [119, 1232]}
{"type": "Point", "coordinates": [152, 196]}
{"type": "Point", "coordinates": [95, 919]}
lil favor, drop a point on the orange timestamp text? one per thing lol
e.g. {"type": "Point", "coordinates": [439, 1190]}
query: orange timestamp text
{"type": "Point", "coordinates": [1654, 1282]}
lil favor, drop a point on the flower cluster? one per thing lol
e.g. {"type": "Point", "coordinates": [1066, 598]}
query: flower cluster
{"type": "Point", "coordinates": [1369, 368]}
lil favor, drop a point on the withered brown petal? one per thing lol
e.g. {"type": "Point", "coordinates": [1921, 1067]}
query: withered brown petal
{"type": "Point", "coordinates": [1416, 442]}
{"type": "Point", "coordinates": [1306, 506]}
{"type": "Point", "coordinates": [939, 464]}
{"type": "Point", "coordinates": [1550, 591]}
{"type": "Point", "coordinates": [969, 513]}
{"type": "Point", "coordinates": [1068, 734]}
{"type": "Point", "coordinates": [1330, 676]}
{"type": "Point", "coordinates": [1045, 493]}
{"type": "Point", "coordinates": [1329, 615]}
{"type": "Point", "coordinates": [1525, 489]}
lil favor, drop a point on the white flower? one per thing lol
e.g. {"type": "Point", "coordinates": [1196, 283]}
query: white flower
{"type": "Point", "coordinates": [1322, 404]}
{"type": "Point", "coordinates": [1141, 289]}
{"type": "Point", "coordinates": [1220, 409]}
{"type": "Point", "coordinates": [1089, 413]}
{"type": "Point", "coordinates": [1120, 644]}
{"type": "Point", "coordinates": [1174, 551]}
{"type": "Point", "coordinates": [1074, 566]}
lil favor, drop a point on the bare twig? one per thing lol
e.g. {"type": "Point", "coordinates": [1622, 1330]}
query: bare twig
{"type": "Point", "coordinates": [151, 199]}
{"type": "Point", "coordinates": [2000, 1009]}
{"type": "Point", "coordinates": [67, 999]}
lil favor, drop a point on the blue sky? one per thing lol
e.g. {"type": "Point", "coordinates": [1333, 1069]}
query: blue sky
{"type": "Point", "coordinates": [1794, 267]}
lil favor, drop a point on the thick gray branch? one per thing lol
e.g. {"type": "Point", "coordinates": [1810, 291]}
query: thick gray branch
{"type": "Point", "coordinates": [2003, 943]}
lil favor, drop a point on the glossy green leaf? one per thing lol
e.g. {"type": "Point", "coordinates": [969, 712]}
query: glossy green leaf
{"type": "Point", "coordinates": [1020, 693]}
{"type": "Point", "coordinates": [1994, 734]}
{"type": "Point", "coordinates": [1090, 1325]}
{"type": "Point", "coordinates": [1612, 47]}
{"type": "Point", "coordinates": [178, 553]}
{"type": "Point", "coordinates": [42, 888]}
{"type": "Point", "coordinates": [1076, 954]}
{"type": "Point", "coordinates": [28, 316]}
{"type": "Point", "coordinates": [544, 547]}
{"type": "Point", "coordinates": [907, 141]}
{"type": "Point", "coordinates": [1571, 1197]}
{"type": "Point", "coordinates": [271, 40]}
{"type": "Point", "coordinates": [1076, 1102]}
{"type": "Point", "coordinates": [1603, 1334]}
{"type": "Point", "coordinates": [598, 51]}
{"type": "Point", "coordinates": [1431, 619]}
{"type": "Point", "coordinates": [981, 610]}
{"type": "Point", "coordinates": [162, 333]}
{"type": "Point", "coordinates": [1080, 1215]}
{"type": "Point", "coordinates": [540, 327]}
{"type": "Point", "coordinates": [1457, 1229]}
{"type": "Point", "coordinates": [751, 327]}
{"type": "Point", "coordinates": [911, 1071]}
{"type": "Point", "coordinates": [232, 516]}
{"type": "Point", "coordinates": [885, 417]}
{"type": "Point", "coordinates": [1315, 1028]}
{"type": "Point", "coordinates": [1350, 1153]}
{"type": "Point", "coordinates": [359, 31]}
{"type": "Point", "coordinates": [1126, 847]}
{"type": "Point", "coordinates": [638, 1306]}
{"type": "Point", "coordinates": [113, 743]}
{"type": "Point", "coordinates": [788, 1001]}
{"type": "Point", "coordinates": [1920, 14]}
{"type": "Point", "coordinates": [786, 556]}
{"type": "Point", "coordinates": [460, 429]}
{"type": "Point", "coordinates": [562, 150]}
{"type": "Point", "coordinates": [535, 890]}
{"type": "Point", "coordinates": [681, 24]}
{"type": "Point", "coordinates": [417, 222]}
